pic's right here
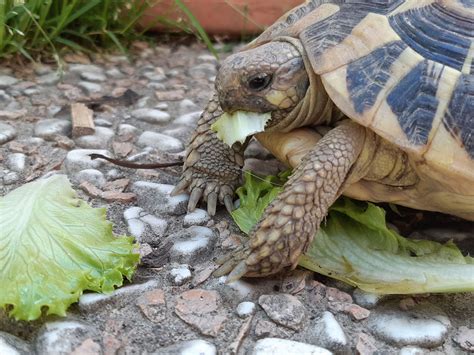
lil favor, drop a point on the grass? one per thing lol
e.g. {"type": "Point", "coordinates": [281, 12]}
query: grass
{"type": "Point", "coordinates": [45, 28]}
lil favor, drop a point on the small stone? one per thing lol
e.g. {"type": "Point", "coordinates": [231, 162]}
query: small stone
{"type": "Point", "coordinates": [265, 329]}
{"type": "Point", "coordinates": [100, 139]}
{"type": "Point", "coordinates": [12, 114]}
{"type": "Point", "coordinates": [411, 350]}
{"type": "Point", "coordinates": [245, 309]}
{"type": "Point", "coordinates": [355, 311]}
{"type": "Point", "coordinates": [124, 295]}
{"type": "Point", "coordinates": [64, 142]}
{"type": "Point", "coordinates": [145, 227]}
{"type": "Point", "coordinates": [189, 119]}
{"type": "Point", "coordinates": [156, 198]}
{"type": "Point", "coordinates": [7, 81]}
{"type": "Point", "coordinates": [180, 274]}
{"type": "Point", "coordinates": [152, 76]}
{"type": "Point", "coordinates": [117, 185]}
{"type": "Point", "coordinates": [329, 334]}
{"type": "Point", "coordinates": [283, 346]}
{"type": "Point", "coordinates": [189, 347]}
{"type": "Point", "coordinates": [50, 128]}
{"type": "Point", "coordinates": [336, 295]}
{"type": "Point", "coordinates": [11, 178]}
{"type": "Point", "coordinates": [90, 88]}
{"type": "Point", "coordinates": [41, 69]}
{"type": "Point", "coordinates": [90, 189]}
{"type": "Point", "coordinates": [102, 122]}
{"type": "Point", "coordinates": [95, 77]}
{"type": "Point", "coordinates": [16, 162]}
{"type": "Point", "coordinates": [202, 310]}
{"type": "Point", "coordinates": [187, 106]}
{"type": "Point", "coordinates": [62, 337]}
{"type": "Point", "coordinates": [153, 305]}
{"type": "Point", "coordinates": [365, 299]}
{"type": "Point", "coordinates": [115, 73]}
{"type": "Point", "coordinates": [465, 338]}
{"type": "Point", "coordinates": [92, 176]}
{"type": "Point", "coordinates": [160, 142]}
{"type": "Point", "coordinates": [424, 325]}
{"type": "Point", "coordinates": [283, 309]}
{"type": "Point", "coordinates": [162, 106]}
{"type": "Point", "coordinates": [12, 345]}
{"type": "Point", "coordinates": [191, 244]}
{"type": "Point", "coordinates": [49, 79]}
{"type": "Point", "coordinates": [90, 68]}
{"type": "Point", "coordinates": [151, 115]}
{"type": "Point", "coordinates": [120, 197]}
{"type": "Point", "coordinates": [7, 133]}
{"type": "Point", "coordinates": [122, 149]}
{"type": "Point", "coordinates": [89, 347]}
{"type": "Point", "coordinates": [127, 129]}
{"type": "Point", "coordinates": [79, 159]}
{"type": "Point", "coordinates": [198, 217]}
{"type": "Point", "coordinates": [170, 95]}
{"type": "Point", "coordinates": [207, 58]}
{"type": "Point", "coordinates": [365, 344]}
{"type": "Point", "coordinates": [203, 71]}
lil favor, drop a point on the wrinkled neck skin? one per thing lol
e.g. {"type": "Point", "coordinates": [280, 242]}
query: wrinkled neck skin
{"type": "Point", "coordinates": [316, 109]}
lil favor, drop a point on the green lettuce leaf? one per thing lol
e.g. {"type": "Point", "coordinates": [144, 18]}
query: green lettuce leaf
{"type": "Point", "coordinates": [355, 245]}
{"type": "Point", "coordinates": [53, 246]}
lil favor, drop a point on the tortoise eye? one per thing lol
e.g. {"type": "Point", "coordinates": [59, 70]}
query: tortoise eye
{"type": "Point", "coordinates": [259, 82]}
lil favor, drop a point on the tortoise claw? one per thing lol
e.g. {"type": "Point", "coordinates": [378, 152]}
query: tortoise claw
{"type": "Point", "coordinates": [194, 199]}
{"type": "Point", "coordinates": [228, 203]}
{"type": "Point", "coordinates": [211, 203]}
{"type": "Point", "coordinates": [238, 271]}
{"type": "Point", "coordinates": [180, 187]}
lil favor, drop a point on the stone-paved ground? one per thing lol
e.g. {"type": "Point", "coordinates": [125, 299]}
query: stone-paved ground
{"type": "Point", "coordinates": [174, 306]}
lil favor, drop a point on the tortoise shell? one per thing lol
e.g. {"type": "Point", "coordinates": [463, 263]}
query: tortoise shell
{"type": "Point", "coordinates": [402, 68]}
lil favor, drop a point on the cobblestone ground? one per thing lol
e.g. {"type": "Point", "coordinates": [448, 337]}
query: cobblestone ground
{"type": "Point", "coordinates": [174, 305]}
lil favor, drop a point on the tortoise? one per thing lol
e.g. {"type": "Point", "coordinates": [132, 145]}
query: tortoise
{"type": "Point", "coordinates": [371, 99]}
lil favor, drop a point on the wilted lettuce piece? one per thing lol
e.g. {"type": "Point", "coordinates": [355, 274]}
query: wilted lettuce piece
{"type": "Point", "coordinates": [236, 127]}
{"type": "Point", "coordinates": [356, 246]}
{"type": "Point", "coordinates": [53, 246]}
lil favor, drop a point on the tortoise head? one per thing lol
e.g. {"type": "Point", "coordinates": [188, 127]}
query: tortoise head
{"type": "Point", "coordinates": [269, 78]}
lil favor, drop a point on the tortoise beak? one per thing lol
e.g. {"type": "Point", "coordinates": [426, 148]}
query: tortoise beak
{"type": "Point", "coordinates": [226, 100]}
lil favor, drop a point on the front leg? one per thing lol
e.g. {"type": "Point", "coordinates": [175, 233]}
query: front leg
{"type": "Point", "coordinates": [212, 169]}
{"type": "Point", "coordinates": [290, 222]}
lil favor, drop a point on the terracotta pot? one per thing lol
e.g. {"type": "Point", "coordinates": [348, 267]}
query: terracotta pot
{"type": "Point", "coordinates": [223, 17]}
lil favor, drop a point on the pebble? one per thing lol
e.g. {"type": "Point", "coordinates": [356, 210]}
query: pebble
{"type": "Point", "coordinates": [365, 344]}
{"type": "Point", "coordinates": [160, 141]}
{"type": "Point", "coordinates": [115, 73]}
{"type": "Point", "coordinates": [423, 325]}
{"type": "Point", "coordinates": [198, 217]}
{"type": "Point", "coordinates": [151, 115]}
{"type": "Point", "coordinates": [92, 176]}
{"type": "Point", "coordinates": [189, 347]}
{"type": "Point", "coordinates": [4, 96]}
{"type": "Point", "coordinates": [328, 333]}
{"type": "Point", "coordinates": [269, 346]}
{"type": "Point", "coordinates": [12, 345]}
{"type": "Point", "coordinates": [49, 128]}
{"type": "Point", "coordinates": [10, 178]}
{"type": "Point", "coordinates": [7, 133]}
{"type": "Point", "coordinates": [187, 106]}
{"type": "Point", "coordinates": [93, 76]}
{"type": "Point", "coordinates": [180, 274]}
{"type": "Point", "coordinates": [162, 106]}
{"type": "Point", "coordinates": [93, 301]}
{"type": "Point", "coordinates": [90, 68]}
{"type": "Point", "coordinates": [89, 87]}
{"type": "Point", "coordinates": [62, 337]}
{"type": "Point", "coordinates": [16, 162]}
{"type": "Point", "coordinates": [127, 129]}
{"type": "Point", "coordinates": [152, 76]}
{"type": "Point", "coordinates": [365, 299]}
{"type": "Point", "coordinates": [49, 79]}
{"type": "Point", "coordinates": [78, 159]}
{"type": "Point", "coordinates": [207, 58]}
{"type": "Point", "coordinates": [191, 244]}
{"type": "Point", "coordinates": [411, 350]}
{"type": "Point", "coordinates": [189, 119]}
{"type": "Point", "coordinates": [102, 122]}
{"type": "Point", "coordinates": [202, 71]}
{"type": "Point", "coordinates": [7, 81]}
{"type": "Point", "coordinates": [152, 303]}
{"type": "Point", "coordinates": [156, 198]}
{"type": "Point", "coordinates": [145, 227]}
{"type": "Point", "coordinates": [465, 338]}
{"type": "Point", "coordinates": [99, 140]}
{"type": "Point", "coordinates": [202, 310]}
{"type": "Point", "coordinates": [245, 309]}
{"type": "Point", "coordinates": [284, 309]}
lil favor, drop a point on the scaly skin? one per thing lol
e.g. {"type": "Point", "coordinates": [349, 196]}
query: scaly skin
{"type": "Point", "coordinates": [212, 170]}
{"type": "Point", "coordinates": [293, 218]}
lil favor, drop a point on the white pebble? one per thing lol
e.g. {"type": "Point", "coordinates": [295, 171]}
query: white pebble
{"type": "Point", "coordinates": [151, 115]}
{"type": "Point", "coordinates": [16, 162]}
{"type": "Point", "coordinates": [160, 141]}
{"type": "Point", "coordinates": [180, 274]}
{"type": "Point", "coordinates": [245, 309]}
{"type": "Point", "coordinates": [269, 346]}
{"type": "Point", "coordinates": [198, 217]}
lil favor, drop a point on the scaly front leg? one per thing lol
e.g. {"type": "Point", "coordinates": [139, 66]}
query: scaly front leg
{"type": "Point", "coordinates": [293, 218]}
{"type": "Point", "coordinates": [211, 169]}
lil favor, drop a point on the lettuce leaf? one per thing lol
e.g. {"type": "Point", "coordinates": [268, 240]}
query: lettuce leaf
{"type": "Point", "coordinates": [355, 245]}
{"type": "Point", "coordinates": [53, 246]}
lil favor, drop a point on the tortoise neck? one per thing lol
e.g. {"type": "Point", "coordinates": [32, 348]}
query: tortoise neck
{"type": "Point", "coordinates": [316, 108]}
